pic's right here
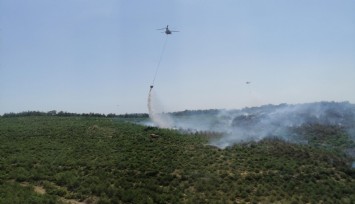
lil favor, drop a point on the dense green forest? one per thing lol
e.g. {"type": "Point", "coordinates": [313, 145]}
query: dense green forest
{"type": "Point", "coordinates": [57, 159]}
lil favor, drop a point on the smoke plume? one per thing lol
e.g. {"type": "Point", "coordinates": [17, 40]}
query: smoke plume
{"type": "Point", "coordinates": [253, 124]}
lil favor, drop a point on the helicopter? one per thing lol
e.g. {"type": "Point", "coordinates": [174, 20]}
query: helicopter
{"type": "Point", "coordinates": [167, 31]}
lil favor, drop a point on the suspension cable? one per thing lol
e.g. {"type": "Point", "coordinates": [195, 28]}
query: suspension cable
{"type": "Point", "coordinates": [160, 58]}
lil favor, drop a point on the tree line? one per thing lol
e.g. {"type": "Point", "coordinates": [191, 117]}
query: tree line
{"type": "Point", "coordinates": [68, 114]}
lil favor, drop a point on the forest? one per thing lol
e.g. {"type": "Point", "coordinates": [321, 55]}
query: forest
{"type": "Point", "coordinates": [80, 159]}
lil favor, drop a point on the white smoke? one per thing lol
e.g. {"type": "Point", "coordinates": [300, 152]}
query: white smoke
{"type": "Point", "coordinates": [254, 124]}
{"type": "Point", "coordinates": [156, 111]}
{"type": "Point", "coordinates": [257, 123]}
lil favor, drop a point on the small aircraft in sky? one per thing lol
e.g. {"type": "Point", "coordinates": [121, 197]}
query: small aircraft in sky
{"type": "Point", "coordinates": [248, 82]}
{"type": "Point", "coordinates": [167, 31]}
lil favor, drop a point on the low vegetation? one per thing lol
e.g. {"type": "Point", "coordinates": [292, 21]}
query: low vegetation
{"type": "Point", "coordinates": [57, 159]}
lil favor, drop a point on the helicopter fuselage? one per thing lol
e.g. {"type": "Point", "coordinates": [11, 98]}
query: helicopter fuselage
{"type": "Point", "coordinates": [167, 31]}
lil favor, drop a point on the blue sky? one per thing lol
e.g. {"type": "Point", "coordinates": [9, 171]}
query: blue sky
{"type": "Point", "coordinates": [100, 56]}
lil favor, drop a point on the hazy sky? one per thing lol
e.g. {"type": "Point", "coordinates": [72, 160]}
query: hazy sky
{"type": "Point", "coordinates": [100, 56]}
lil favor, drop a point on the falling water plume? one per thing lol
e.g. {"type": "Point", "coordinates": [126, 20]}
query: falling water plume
{"type": "Point", "coordinates": [156, 114]}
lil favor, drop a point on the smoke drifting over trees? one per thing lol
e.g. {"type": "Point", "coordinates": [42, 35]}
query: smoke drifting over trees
{"type": "Point", "coordinates": [288, 122]}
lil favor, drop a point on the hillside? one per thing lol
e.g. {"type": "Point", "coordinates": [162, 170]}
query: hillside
{"type": "Point", "coordinates": [53, 159]}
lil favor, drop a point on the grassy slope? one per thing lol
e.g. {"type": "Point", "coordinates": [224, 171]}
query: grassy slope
{"type": "Point", "coordinates": [104, 160]}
